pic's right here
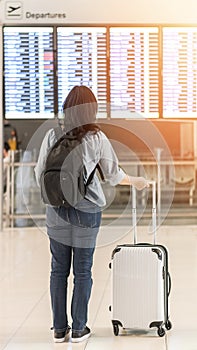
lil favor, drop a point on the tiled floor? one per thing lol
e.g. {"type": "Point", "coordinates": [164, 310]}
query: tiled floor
{"type": "Point", "coordinates": [25, 316]}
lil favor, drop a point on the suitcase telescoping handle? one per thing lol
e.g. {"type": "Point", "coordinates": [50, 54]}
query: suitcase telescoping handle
{"type": "Point", "coordinates": [154, 214]}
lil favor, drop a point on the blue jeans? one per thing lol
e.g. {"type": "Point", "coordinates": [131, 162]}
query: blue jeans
{"type": "Point", "coordinates": [74, 227]}
{"type": "Point", "coordinates": [65, 255]}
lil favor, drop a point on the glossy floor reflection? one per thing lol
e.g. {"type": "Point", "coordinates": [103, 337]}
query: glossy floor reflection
{"type": "Point", "coordinates": [25, 316]}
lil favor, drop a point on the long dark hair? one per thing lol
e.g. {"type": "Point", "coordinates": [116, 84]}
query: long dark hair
{"type": "Point", "coordinates": [80, 108]}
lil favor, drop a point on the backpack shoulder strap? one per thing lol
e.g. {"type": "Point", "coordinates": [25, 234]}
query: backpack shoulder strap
{"type": "Point", "coordinates": [93, 172]}
{"type": "Point", "coordinates": [98, 167]}
{"type": "Point", "coordinates": [58, 132]}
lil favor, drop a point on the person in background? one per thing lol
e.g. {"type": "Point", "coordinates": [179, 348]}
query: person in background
{"type": "Point", "coordinates": [10, 135]}
{"type": "Point", "coordinates": [6, 160]}
{"type": "Point", "coordinates": [73, 231]}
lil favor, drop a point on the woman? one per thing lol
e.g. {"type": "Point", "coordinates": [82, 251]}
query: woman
{"type": "Point", "coordinates": [73, 231]}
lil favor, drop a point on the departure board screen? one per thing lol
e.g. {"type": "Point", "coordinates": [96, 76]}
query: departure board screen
{"type": "Point", "coordinates": [180, 72]}
{"type": "Point", "coordinates": [82, 61]}
{"type": "Point", "coordinates": [131, 72]}
{"type": "Point", "coordinates": [28, 72]}
{"type": "Point", "coordinates": [134, 72]}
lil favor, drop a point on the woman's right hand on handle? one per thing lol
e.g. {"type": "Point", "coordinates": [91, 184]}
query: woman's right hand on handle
{"type": "Point", "coordinates": [139, 182]}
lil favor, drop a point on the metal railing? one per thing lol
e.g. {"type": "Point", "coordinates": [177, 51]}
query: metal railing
{"type": "Point", "coordinates": [19, 202]}
{"type": "Point", "coordinates": [22, 201]}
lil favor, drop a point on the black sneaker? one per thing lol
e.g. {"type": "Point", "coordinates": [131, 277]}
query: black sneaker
{"type": "Point", "coordinates": [78, 336]}
{"type": "Point", "coordinates": [60, 337]}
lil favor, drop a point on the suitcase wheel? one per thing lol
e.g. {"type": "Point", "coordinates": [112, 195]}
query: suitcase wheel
{"type": "Point", "coordinates": [168, 325]}
{"type": "Point", "coordinates": [116, 329]}
{"type": "Point", "coordinates": [161, 331]}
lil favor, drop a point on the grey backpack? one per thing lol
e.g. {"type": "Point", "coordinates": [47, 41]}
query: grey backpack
{"type": "Point", "coordinates": [62, 181]}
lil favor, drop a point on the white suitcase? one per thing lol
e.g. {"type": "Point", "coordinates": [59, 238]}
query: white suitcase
{"type": "Point", "coordinates": [140, 282]}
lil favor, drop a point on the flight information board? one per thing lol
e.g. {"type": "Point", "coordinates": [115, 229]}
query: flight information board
{"type": "Point", "coordinates": [180, 72]}
{"type": "Point", "coordinates": [82, 61]}
{"type": "Point", "coordinates": [134, 72]}
{"type": "Point", "coordinates": [28, 72]}
{"type": "Point", "coordinates": [122, 65]}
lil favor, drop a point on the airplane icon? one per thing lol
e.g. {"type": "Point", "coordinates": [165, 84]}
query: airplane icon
{"type": "Point", "coordinates": [12, 9]}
